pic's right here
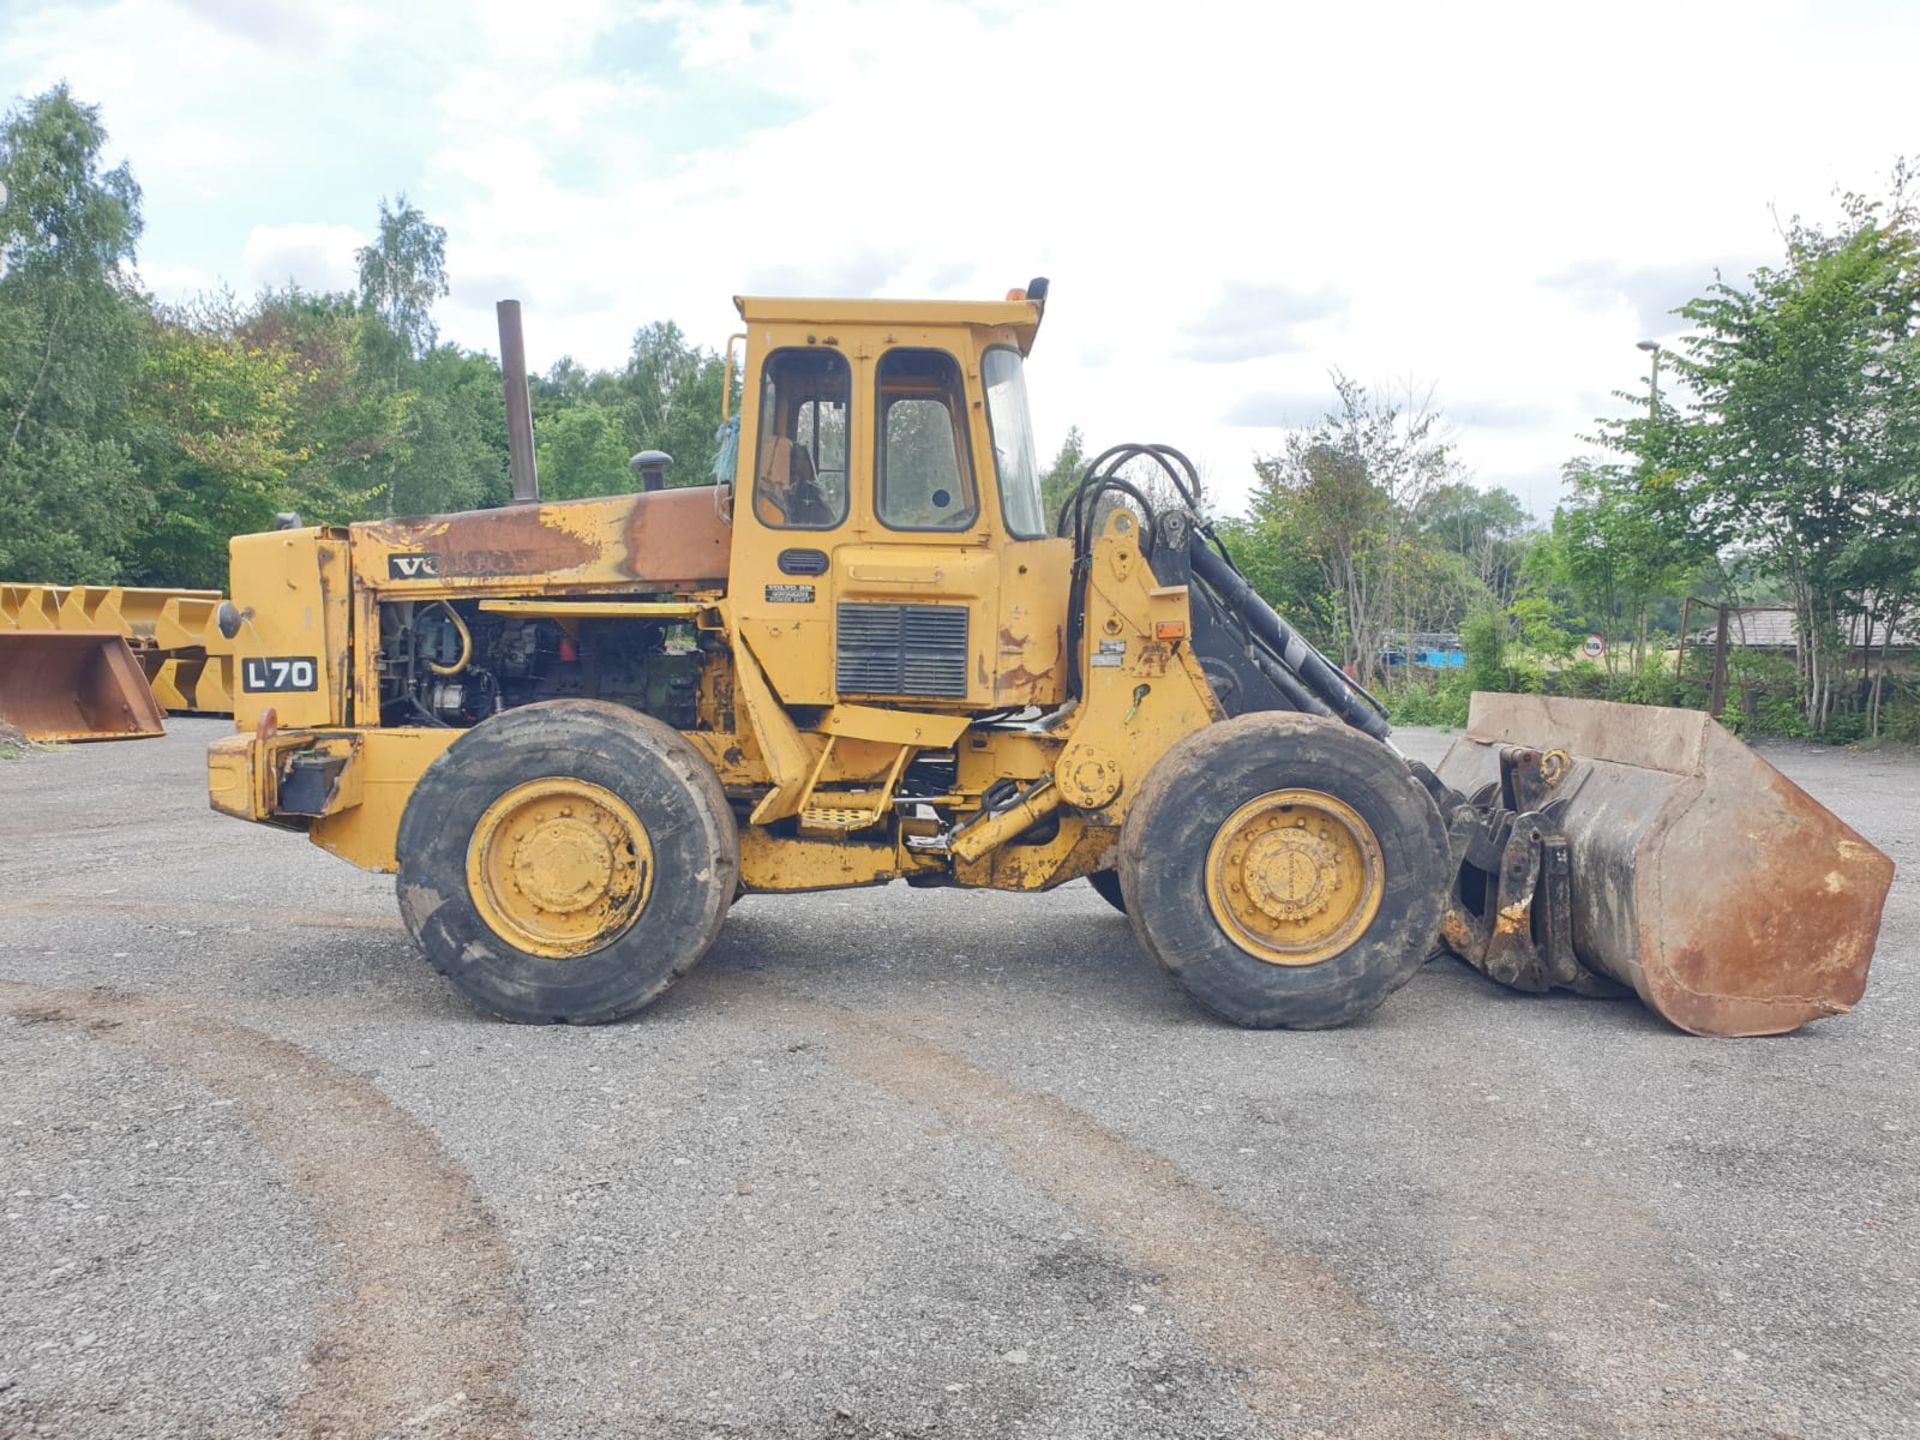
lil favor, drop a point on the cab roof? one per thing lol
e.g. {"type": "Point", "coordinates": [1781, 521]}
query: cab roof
{"type": "Point", "coordinates": [1021, 316]}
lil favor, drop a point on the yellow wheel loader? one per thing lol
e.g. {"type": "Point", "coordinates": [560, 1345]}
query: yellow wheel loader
{"type": "Point", "coordinates": [577, 731]}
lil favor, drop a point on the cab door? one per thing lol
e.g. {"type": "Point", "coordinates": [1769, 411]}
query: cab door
{"type": "Point", "coordinates": [793, 513]}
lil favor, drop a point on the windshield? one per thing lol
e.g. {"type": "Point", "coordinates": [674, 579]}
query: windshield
{"type": "Point", "coordinates": [1013, 444]}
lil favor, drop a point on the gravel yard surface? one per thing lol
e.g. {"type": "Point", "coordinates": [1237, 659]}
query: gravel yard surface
{"type": "Point", "coordinates": [900, 1163]}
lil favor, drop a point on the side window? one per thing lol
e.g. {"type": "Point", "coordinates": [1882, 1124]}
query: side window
{"type": "Point", "coordinates": [800, 467]}
{"type": "Point", "coordinates": [925, 479]}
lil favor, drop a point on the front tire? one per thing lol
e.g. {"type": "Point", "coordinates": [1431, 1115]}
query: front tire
{"type": "Point", "coordinates": [1106, 884]}
{"type": "Point", "coordinates": [566, 862]}
{"type": "Point", "coordinates": [1284, 870]}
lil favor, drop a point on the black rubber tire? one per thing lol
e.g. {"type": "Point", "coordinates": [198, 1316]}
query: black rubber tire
{"type": "Point", "coordinates": [1107, 883]}
{"type": "Point", "coordinates": [1197, 785]}
{"type": "Point", "coordinates": [671, 787]}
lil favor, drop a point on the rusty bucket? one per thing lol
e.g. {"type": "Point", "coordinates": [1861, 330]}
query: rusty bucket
{"type": "Point", "coordinates": [74, 685]}
{"type": "Point", "coordinates": [1675, 861]}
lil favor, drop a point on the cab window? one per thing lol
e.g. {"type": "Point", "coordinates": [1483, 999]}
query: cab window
{"type": "Point", "coordinates": [925, 479]}
{"type": "Point", "coordinates": [1013, 457]}
{"type": "Point", "coordinates": [800, 467]}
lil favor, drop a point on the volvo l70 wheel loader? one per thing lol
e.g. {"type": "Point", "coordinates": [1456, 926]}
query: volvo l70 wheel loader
{"type": "Point", "coordinates": [577, 731]}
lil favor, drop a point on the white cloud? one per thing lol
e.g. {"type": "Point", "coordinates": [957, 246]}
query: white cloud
{"type": "Point", "coordinates": [1249, 321]}
{"type": "Point", "coordinates": [273, 26]}
{"type": "Point", "coordinates": [1230, 199]}
{"type": "Point", "coordinates": [314, 257]}
{"type": "Point", "coordinates": [176, 284]}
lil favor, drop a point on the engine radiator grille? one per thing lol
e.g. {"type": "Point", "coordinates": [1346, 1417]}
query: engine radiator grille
{"type": "Point", "coordinates": [901, 650]}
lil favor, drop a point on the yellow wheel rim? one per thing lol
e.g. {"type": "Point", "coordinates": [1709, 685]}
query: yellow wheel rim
{"type": "Point", "coordinates": [1294, 876]}
{"type": "Point", "coordinates": [559, 867]}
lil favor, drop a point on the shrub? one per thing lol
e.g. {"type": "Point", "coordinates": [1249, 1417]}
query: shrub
{"type": "Point", "coordinates": [1780, 715]}
{"type": "Point", "coordinates": [1584, 679]}
{"type": "Point", "coordinates": [1484, 634]}
{"type": "Point", "coordinates": [1846, 727]}
{"type": "Point", "coordinates": [1901, 722]}
{"type": "Point", "coordinates": [1440, 701]}
{"type": "Point", "coordinates": [1653, 684]}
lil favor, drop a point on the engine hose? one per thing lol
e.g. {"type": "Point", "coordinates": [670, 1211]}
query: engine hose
{"type": "Point", "coordinates": [466, 643]}
{"type": "Point", "coordinates": [1341, 696]}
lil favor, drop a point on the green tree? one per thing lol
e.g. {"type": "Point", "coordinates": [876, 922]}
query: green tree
{"type": "Point", "coordinates": [582, 451]}
{"type": "Point", "coordinates": [671, 393]}
{"type": "Point", "coordinates": [348, 420]}
{"type": "Point", "coordinates": [214, 424]}
{"type": "Point", "coordinates": [452, 451]}
{"type": "Point", "coordinates": [1487, 529]}
{"type": "Point", "coordinates": [1807, 435]}
{"type": "Point", "coordinates": [403, 272]}
{"type": "Point", "coordinates": [1355, 486]}
{"type": "Point", "coordinates": [70, 345]}
{"type": "Point", "coordinates": [1063, 474]}
{"type": "Point", "coordinates": [1620, 544]}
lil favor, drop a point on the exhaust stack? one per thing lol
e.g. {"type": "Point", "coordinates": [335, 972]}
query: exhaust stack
{"type": "Point", "coordinates": [513, 369]}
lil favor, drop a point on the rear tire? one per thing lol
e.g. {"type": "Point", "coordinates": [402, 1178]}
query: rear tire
{"type": "Point", "coordinates": [1284, 870]}
{"type": "Point", "coordinates": [566, 862]}
{"type": "Point", "coordinates": [1107, 884]}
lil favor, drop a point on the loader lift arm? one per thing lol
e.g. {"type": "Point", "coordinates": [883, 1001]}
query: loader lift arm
{"type": "Point", "coordinates": [1592, 847]}
{"type": "Point", "coordinates": [1249, 652]}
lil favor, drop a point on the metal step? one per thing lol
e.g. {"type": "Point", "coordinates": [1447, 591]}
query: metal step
{"type": "Point", "coordinates": [842, 812]}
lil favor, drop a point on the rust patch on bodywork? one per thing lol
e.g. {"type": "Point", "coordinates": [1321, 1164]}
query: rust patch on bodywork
{"type": "Point", "coordinates": [513, 540]}
{"type": "Point", "coordinates": [1019, 675]}
{"type": "Point", "coordinates": [1024, 673]}
{"type": "Point", "coordinates": [677, 537]}
{"type": "Point", "coordinates": [1153, 659]}
{"type": "Point", "coordinates": [670, 539]}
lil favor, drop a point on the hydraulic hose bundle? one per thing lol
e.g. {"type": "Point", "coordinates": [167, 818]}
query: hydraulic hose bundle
{"type": "Point", "coordinates": [1310, 682]}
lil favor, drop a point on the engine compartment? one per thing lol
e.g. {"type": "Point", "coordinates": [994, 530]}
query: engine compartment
{"type": "Point", "coordinates": [450, 663]}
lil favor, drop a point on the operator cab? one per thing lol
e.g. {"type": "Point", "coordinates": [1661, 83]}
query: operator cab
{"type": "Point", "coordinates": [889, 537]}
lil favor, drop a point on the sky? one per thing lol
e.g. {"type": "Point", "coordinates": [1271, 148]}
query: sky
{"type": "Point", "coordinates": [1230, 200]}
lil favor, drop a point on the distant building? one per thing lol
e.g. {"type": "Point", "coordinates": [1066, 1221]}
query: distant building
{"type": "Point", "coordinates": [1771, 627]}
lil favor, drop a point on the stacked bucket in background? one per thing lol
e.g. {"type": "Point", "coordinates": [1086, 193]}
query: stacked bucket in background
{"type": "Point", "coordinates": [103, 662]}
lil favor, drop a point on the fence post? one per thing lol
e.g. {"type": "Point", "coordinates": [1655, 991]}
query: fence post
{"type": "Point", "coordinates": [1717, 691]}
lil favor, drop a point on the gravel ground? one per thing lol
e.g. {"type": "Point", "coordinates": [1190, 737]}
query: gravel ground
{"type": "Point", "coordinates": [900, 1163]}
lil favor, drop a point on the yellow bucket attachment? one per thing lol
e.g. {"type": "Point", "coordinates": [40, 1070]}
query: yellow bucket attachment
{"type": "Point", "coordinates": [1602, 845]}
{"type": "Point", "coordinates": [75, 685]}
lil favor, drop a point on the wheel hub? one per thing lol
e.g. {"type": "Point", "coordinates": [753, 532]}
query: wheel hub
{"type": "Point", "coordinates": [559, 867]}
{"type": "Point", "coordinates": [563, 864]}
{"type": "Point", "coordinates": [1294, 876]}
{"type": "Point", "coordinates": [1290, 873]}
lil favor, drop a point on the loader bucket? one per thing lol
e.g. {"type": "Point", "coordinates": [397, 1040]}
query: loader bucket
{"type": "Point", "coordinates": [74, 685]}
{"type": "Point", "coordinates": [1674, 860]}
